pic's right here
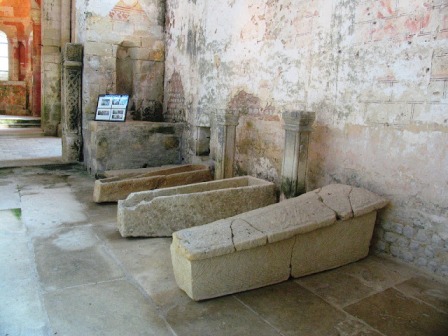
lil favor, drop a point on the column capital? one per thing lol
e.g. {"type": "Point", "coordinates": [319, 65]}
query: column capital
{"type": "Point", "coordinates": [227, 119]}
{"type": "Point", "coordinates": [298, 121]}
{"type": "Point", "coordinates": [73, 52]}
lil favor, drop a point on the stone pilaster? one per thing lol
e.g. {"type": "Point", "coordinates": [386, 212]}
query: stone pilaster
{"type": "Point", "coordinates": [298, 126]}
{"type": "Point", "coordinates": [226, 125]}
{"type": "Point", "coordinates": [71, 103]}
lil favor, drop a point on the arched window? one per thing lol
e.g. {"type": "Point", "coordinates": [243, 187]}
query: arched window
{"type": "Point", "coordinates": [4, 57]}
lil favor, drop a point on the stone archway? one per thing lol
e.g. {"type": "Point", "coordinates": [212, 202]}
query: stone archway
{"type": "Point", "coordinates": [20, 91]}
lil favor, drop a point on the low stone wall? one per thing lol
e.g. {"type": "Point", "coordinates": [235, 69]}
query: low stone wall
{"type": "Point", "coordinates": [113, 189]}
{"type": "Point", "coordinates": [159, 213]}
{"type": "Point", "coordinates": [132, 144]}
{"type": "Point", "coordinates": [13, 97]}
{"type": "Point", "coordinates": [319, 230]}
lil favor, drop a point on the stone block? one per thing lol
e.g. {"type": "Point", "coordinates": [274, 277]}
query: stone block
{"type": "Point", "coordinates": [132, 144]}
{"type": "Point", "coordinates": [113, 189]}
{"type": "Point", "coordinates": [98, 49]}
{"type": "Point", "coordinates": [299, 236]}
{"type": "Point", "coordinates": [159, 213]}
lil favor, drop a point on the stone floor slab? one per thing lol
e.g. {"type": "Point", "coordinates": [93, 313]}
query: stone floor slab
{"type": "Point", "coordinates": [108, 308]}
{"type": "Point", "coordinates": [219, 317]}
{"type": "Point", "coordinates": [293, 310]}
{"type": "Point", "coordinates": [21, 311]}
{"type": "Point", "coordinates": [332, 287]}
{"type": "Point", "coordinates": [392, 313]}
{"type": "Point", "coordinates": [426, 290]}
{"type": "Point", "coordinates": [9, 195]}
{"type": "Point", "coordinates": [15, 258]}
{"type": "Point", "coordinates": [11, 221]}
{"type": "Point", "coordinates": [15, 148]}
{"type": "Point", "coordinates": [73, 257]}
{"type": "Point", "coordinates": [44, 208]}
{"type": "Point", "coordinates": [378, 273]}
{"type": "Point", "coordinates": [149, 262]}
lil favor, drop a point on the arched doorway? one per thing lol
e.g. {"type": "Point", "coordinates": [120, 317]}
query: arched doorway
{"type": "Point", "coordinates": [21, 135]}
{"type": "Point", "coordinates": [20, 54]}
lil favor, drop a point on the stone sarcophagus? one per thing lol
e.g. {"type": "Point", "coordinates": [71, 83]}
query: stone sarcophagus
{"type": "Point", "coordinates": [117, 188]}
{"type": "Point", "coordinates": [316, 231]}
{"type": "Point", "coordinates": [158, 213]}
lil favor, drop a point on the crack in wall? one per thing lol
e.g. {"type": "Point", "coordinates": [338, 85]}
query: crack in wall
{"type": "Point", "coordinates": [350, 202]}
{"type": "Point", "coordinates": [253, 227]}
{"type": "Point", "coordinates": [292, 253]}
{"type": "Point", "coordinates": [327, 206]}
{"type": "Point", "coordinates": [243, 220]}
{"type": "Point", "coordinates": [232, 234]}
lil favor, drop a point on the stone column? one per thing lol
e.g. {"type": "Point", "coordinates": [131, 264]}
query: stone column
{"type": "Point", "coordinates": [298, 126]}
{"type": "Point", "coordinates": [226, 125]}
{"type": "Point", "coordinates": [36, 61]}
{"type": "Point", "coordinates": [71, 103]}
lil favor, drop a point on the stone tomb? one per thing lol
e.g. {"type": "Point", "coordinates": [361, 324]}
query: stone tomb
{"type": "Point", "coordinates": [117, 188]}
{"type": "Point", "coordinates": [316, 231]}
{"type": "Point", "coordinates": [158, 213]}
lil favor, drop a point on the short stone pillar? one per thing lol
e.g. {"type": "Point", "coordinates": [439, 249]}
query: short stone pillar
{"type": "Point", "coordinates": [71, 103]}
{"type": "Point", "coordinates": [298, 126]}
{"type": "Point", "coordinates": [226, 125]}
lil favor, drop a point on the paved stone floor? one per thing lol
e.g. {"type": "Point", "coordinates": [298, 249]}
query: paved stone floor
{"type": "Point", "coordinates": [27, 146]}
{"type": "Point", "coordinates": [65, 270]}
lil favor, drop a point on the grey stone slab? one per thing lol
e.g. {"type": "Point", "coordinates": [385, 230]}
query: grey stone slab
{"type": "Point", "coordinates": [148, 261]}
{"type": "Point", "coordinates": [11, 221]}
{"type": "Point", "coordinates": [332, 287]}
{"type": "Point", "coordinates": [21, 311]}
{"type": "Point", "coordinates": [72, 257]}
{"type": "Point", "coordinates": [336, 197]}
{"type": "Point", "coordinates": [44, 208]}
{"type": "Point", "coordinates": [392, 313]}
{"type": "Point", "coordinates": [293, 310]}
{"type": "Point", "coordinates": [220, 317]}
{"type": "Point", "coordinates": [31, 181]}
{"type": "Point", "coordinates": [377, 273]}
{"type": "Point", "coordinates": [364, 201]}
{"type": "Point", "coordinates": [108, 308]}
{"type": "Point", "coordinates": [15, 258]}
{"type": "Point", "coordinates": [9, 195]}
{"type": "Point", "coordinates": [427, 290]}
{"type": "Point", "coordinates": [104, 213]}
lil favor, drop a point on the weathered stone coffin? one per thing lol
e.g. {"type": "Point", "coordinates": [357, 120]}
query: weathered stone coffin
{"type": "Point", "coordinates": [117, 188]}
{"type": "Point", "coordinates": [316, 231]}
{"type": "Point", "coordinates": [131, 144]}
{"type": "Point", "coordinates": [126, 173]}
{"type": "Point", "coordinates": [159, 213]}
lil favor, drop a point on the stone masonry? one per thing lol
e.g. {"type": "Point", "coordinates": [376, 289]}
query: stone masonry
{"type": "Point", "coordinates": [375, 74]}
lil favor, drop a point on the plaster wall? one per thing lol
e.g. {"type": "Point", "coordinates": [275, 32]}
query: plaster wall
{"type": "Point", "coordinates": [130, 32]}
{"type": "Point", "coordinates": [375, 73]}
